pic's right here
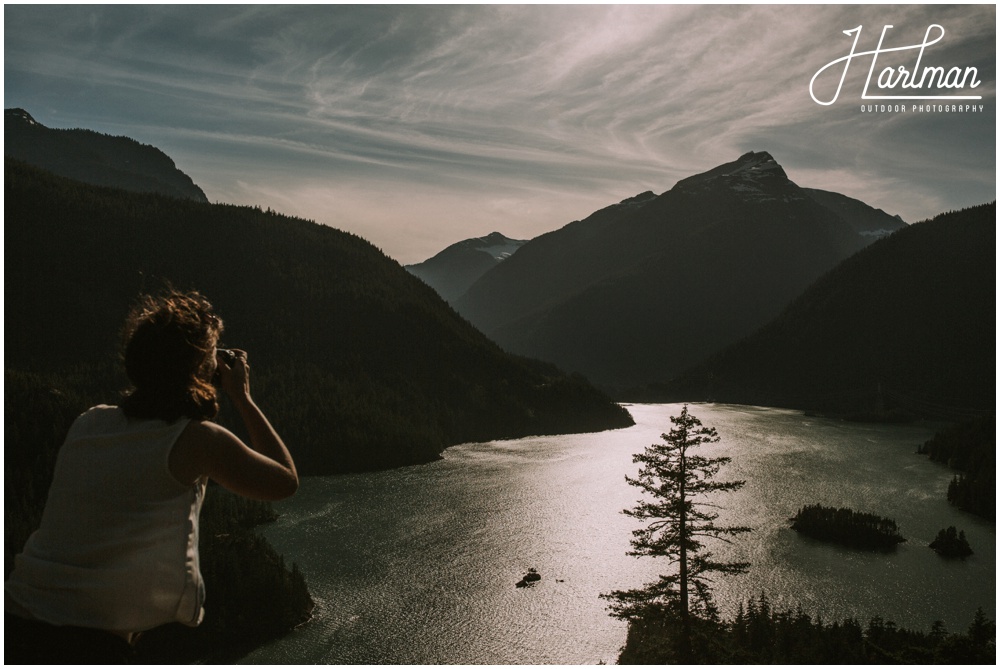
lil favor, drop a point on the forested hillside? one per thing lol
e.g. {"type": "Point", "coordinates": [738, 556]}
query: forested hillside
{"type": "Point", "coordinates": [905, 326]}
{"type": "Point", "coordinates": [359, 364]}
{"type": "Point", "coordinates": [971, 449]}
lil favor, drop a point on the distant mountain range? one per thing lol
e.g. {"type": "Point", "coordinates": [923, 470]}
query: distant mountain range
{"type": "Point", "coordinates": [906, 325]}
{"type": "Point", "coordinates": [95, 158]}
{"type": "Point", "coordinates": [679, 296]}
{"type": "Point", "coordinates": [641, 290]}
{"type": "Point", "coordinates": [453, 270]}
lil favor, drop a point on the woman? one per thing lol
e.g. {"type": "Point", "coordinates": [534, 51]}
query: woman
{"type": "Point", "coordinates": [117, 550]}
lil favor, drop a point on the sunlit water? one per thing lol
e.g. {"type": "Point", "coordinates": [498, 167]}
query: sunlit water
{"type": "Point", "coordinates": [418, 565]}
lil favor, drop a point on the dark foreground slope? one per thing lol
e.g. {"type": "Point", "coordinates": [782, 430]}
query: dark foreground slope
{"type": "Point", "coordinates": [906, 324]}
{"type": "Point", "coordinates": [359, 364]}
{"type": "Point", "coordinates": [95, 158]}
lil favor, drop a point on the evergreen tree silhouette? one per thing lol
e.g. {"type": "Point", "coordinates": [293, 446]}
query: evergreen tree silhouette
{"type": "Point", "coordinates": [678, 520]}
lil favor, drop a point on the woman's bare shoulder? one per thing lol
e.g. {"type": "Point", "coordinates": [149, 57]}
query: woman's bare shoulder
{"type": "Point", "coordinates": [194, 449]}
{"type": "Point", "coordinates": [208, 449]}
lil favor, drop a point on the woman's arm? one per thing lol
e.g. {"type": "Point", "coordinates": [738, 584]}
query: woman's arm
{"type": "Point", "coordinates": [264, 470]}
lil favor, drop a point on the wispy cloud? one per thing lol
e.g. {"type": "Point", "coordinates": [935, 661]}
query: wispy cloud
{"type": "Point", "coordinates": [416, 126]}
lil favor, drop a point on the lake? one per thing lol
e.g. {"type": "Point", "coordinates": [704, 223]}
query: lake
{"type": "Point", "coordinates": [418, 565]}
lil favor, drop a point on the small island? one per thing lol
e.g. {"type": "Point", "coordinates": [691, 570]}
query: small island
{"type": "Point", "coordinates": [951, 543]}
{"type": "Point", "coordinates": [850, 528]}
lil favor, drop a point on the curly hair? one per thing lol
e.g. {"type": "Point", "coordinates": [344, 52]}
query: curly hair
{"type": "Point", "coordinates": [169, 351]}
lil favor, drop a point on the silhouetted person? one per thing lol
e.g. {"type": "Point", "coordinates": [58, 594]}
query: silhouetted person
{"type": "Point", "coordinates": [117, 550]}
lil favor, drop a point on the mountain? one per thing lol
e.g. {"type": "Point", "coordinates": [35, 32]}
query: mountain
{"type": "Point", "coordinates": [453, 270]}
{"type": "Point", "coordinates": [641, 290]}
{"type": "Point", "coordinates": [359, 364]}
{"type": "Point", "coordinates": [906, 325]}
{"type": "Point", "coordinates": [95, 158]}
{"type": "Point", "coordinates": [863, 219]}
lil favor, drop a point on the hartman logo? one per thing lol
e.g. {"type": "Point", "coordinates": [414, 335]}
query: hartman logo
{"type": "Point", "coordinates": [904, 74]}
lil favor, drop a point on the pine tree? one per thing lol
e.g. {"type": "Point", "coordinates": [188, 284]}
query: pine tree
{"type": "Point", "coordinates": [678, 519]}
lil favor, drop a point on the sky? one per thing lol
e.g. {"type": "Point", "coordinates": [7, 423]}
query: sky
{"type": "Point", "coordinates": [418, 126]}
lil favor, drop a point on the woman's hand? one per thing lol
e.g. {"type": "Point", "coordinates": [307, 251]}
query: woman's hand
{"type": "Point", "coordinates": [235, 377]}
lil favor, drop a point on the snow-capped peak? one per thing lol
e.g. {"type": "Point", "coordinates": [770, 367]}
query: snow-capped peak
{"type": "Point", "coordinates": [754, 176]}
{"type": "Point", "coordinates": [756, 164]}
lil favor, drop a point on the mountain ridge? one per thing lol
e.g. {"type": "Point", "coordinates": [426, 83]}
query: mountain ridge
{"type": "Point", "coordinates": [95, 158]}
{"type": "Point", "coordinates": [741, 238]}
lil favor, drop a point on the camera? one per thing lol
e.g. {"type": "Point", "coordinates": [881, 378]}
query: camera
{"type": "Point", "coordinates": [227, 356]}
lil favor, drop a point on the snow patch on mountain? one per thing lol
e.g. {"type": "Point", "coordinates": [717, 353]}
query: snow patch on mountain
{"type": "Point", "coordinates": [17, 112]}
{"type": "Point", "coordinates": [497, 245]}
{"type": "Point", "coordinates": [877, 234]}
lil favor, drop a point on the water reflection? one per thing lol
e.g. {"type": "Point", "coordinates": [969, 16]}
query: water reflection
{"type": "Point", "coordinates": [419, 565]}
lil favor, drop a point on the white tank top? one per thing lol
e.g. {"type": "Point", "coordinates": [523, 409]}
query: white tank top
{"type": "Point", "coordinates": [117, 548]}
